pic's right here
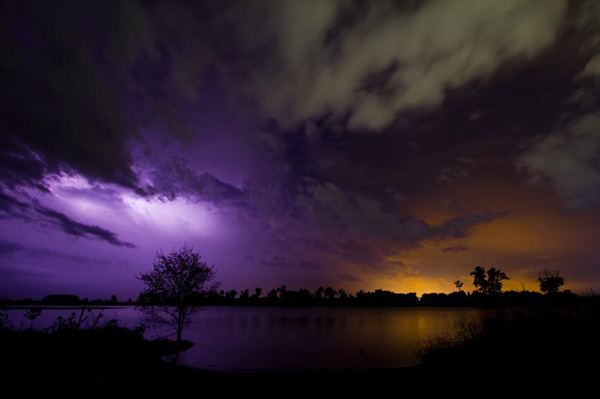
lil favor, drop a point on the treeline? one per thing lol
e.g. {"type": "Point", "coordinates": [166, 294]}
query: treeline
{"type": "Point", "coordinates": [323, 297]}
{"type": "Point", "coordinates": [67, 300]}
{"type": "Point", "coordinates": [328, 296]}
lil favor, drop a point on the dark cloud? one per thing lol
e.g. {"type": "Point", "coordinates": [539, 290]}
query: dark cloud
{"type": "Point", "coordinates": [57, 101]}
{"type": "Point", "coordinates": [176, 178]}
{"type": "Point", "coordinates": [11, 206]}
{"type": "Point", "coordinates": [273, 260]}
{"type": "Point", "coordinates": [456, 227]}
{"type": "Point", "coordinates": [29, 210]}
{"type": "Point", "coordinates": [77, 229]}
{"type": "Point", "coordinates": [312, 58]}
{"type": "Point", "coordinates": [455, 248]}
{"type": "Point", "coordinates": [19, 166]}
{"type": "Point", "coordinates": [354, 215]}
{"type": "Point", "coordinates": [570, 158]}
{"type": "Point", "coordinates": [307, 264]}
{"type": "Point", "coordinates": [348, 278]}
{"type": "Point", "coordinates": [9, 270]}
{"type": "Point", "coordinates": [354, 252]}
{"type": "Point", "coordinates": [10, 248]}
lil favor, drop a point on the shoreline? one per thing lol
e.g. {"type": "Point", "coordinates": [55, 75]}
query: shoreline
{"type": "Point", "coordinates": [540, 348]}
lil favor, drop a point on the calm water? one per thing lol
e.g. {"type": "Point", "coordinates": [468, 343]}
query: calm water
{"type": "Point", "coordinates": [259, 338]}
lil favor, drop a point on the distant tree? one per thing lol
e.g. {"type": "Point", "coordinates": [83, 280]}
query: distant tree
{"type": "Point", "coordinates": [113, 299]}
{"type": "Point", "coordinates": [480, 279]}
{"type": "Point", "coordinates": [330, 293]}
{"type": "Point", "coordinates": [489, 282]}
{"type": "Point", "coordinates": [175, 279]}
{"type": "Point", "coordinates": [257, 293]}
{"type": "Point", "coordinates": [64, 299]}
{"type": "Point", "coordinates": [282, 290]}
{"type": "Point", "coordinates": [319, 293]}
{"type": "Point", "coordinates": [550, 282]}
{"type": "Point", "coordinates": [245, 294]}
{"type": "Point", "coordinates": [303, 295]}
{"type": "Point", "coordinates": [272, 295]}
{"type": "Point", "coordinates": [459, 284]}
{"type": "Point", "coordinates": [495, 277]}
{"type": "Point", "coordinates": [231, 294]}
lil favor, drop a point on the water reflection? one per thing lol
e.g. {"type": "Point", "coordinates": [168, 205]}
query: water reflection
{"type": "Point", "coordinates": [258, 338]}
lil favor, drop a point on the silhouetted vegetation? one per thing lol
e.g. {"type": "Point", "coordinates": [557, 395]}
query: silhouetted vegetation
{"type": "Point", "coordinates": [171, 286]}
{"type": "Point", "coordinates": [545, 341]}
{"type": "Point", "coordinates": [490, 281]}
{"type": "Point", "coordinates": [550, 282]}
{"type": "Point", "coordinates": [64, 299]}
{"type": "Point", "coordinates": [488, 293]}
{"type": "Point", "coordinates": [303, 297]}
{"type": "Point", "coordinates": [78, 347]}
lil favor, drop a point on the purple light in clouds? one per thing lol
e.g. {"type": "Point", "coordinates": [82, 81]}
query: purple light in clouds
{"type": "Point", "coordinates": [123, 210]}
{"type": "Point", "coordinates": [261, 134]}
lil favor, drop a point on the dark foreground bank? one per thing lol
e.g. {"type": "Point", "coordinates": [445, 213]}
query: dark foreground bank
{"type": "Point", "coordinates": [553, 349]}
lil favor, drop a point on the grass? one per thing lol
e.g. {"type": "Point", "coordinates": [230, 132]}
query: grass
{"type": "Point", "coordinates": [546, 342]}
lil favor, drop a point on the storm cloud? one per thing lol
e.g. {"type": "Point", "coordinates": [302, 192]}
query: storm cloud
{"type": "Point", "coordinates": [77, 229]}
{"type": "Point", "coordinates": [570, 159]}
{"type": "Point", "coordinates": [320, 141]}
{"type": "Point", "coordinates": [372, 60]}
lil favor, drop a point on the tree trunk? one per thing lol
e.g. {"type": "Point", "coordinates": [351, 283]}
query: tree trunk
{"type": "Point", "coordinates": [179, 323]}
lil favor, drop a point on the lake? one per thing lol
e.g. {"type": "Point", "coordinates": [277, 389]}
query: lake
{"type": "Point", "coordinates": [289, 338]}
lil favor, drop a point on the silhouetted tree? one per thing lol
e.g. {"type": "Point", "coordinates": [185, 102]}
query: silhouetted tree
{"type": "Point", "coordinates": [231, 294]}
{"type": "Point", "coordinates": [550, 282]}
{"type": "Point", "coordinates": [64, 299]}
{"type": "Point", "coordinates": [330, 293]}
{"type": "Point", "coordinates": [480, 279]}
{"type": "Point", "coordinates": [319, 293]}
{"type": "Point", "coordinates": [495, 277]}
{"type": "Point", "coordinates": [272, 295]}
{"type": "Point", "coordinates": [303, 296]}
{"type": "Point", "coordinates": [175, 279]}
{"type": "Point", "coordinates": [489, 282]}
{"type": "Point", "coordinates": [459, 284]}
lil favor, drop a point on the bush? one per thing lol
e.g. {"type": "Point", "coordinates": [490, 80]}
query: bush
{"type": "Point", "coordinates": [545, 340]}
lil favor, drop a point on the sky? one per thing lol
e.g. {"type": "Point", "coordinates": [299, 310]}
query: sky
{"type": "Point", "coordinates": [355, 144]}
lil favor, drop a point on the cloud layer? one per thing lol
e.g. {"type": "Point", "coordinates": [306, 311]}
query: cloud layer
{"type": "Point", "coordinates": [570, 158]}
{"type": "Point", "coordinates": [373, 60]}
{"type": "Point", "coordinates": [238, 125]}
